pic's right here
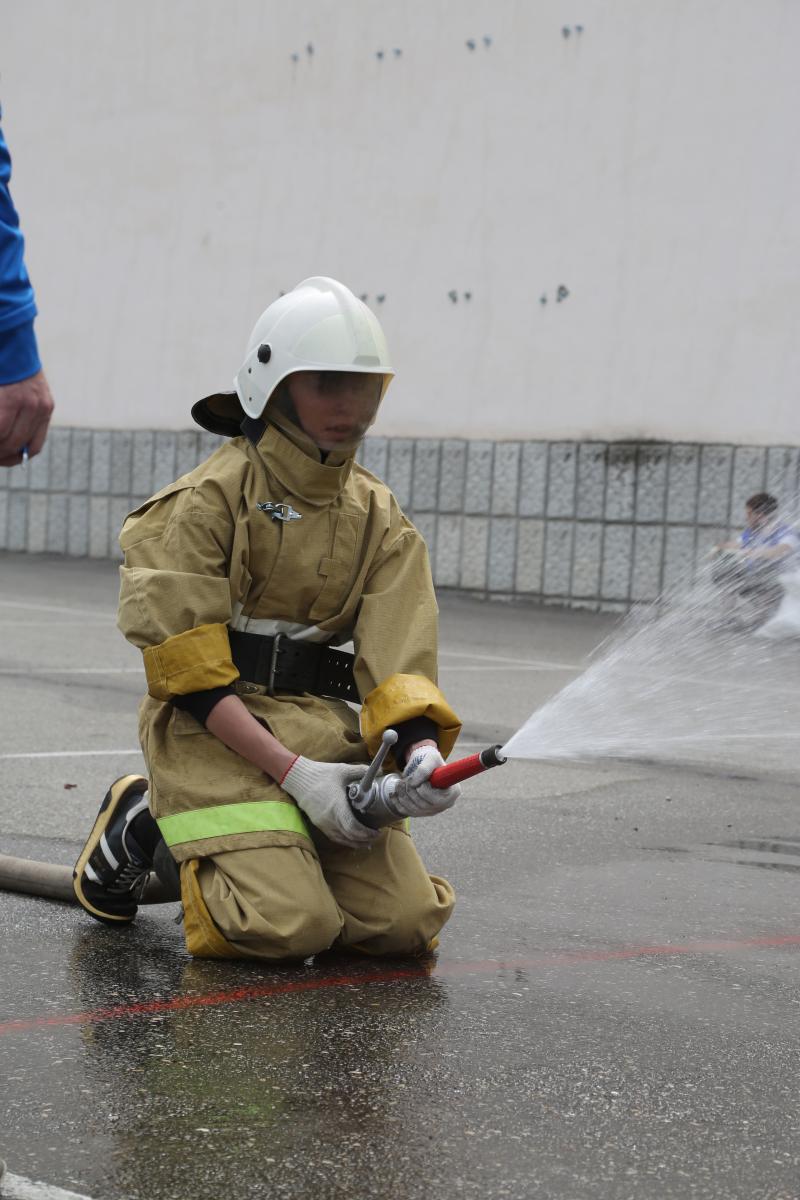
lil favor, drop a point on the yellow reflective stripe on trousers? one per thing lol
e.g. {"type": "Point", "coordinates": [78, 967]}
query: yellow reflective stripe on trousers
{"type": "Point", "coordinates": [251, 816]}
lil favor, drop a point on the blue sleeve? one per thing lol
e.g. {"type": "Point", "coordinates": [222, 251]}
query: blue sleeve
{"type": "Point", "coordinates": [18, 354]}
{"type": "Point", "coordinates": [786, 536]}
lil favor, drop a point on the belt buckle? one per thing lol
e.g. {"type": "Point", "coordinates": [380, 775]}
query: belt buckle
{"type": "Point", "coordinates": [243, 688]}
{"type": "Point", "coordinates": [273, 662]}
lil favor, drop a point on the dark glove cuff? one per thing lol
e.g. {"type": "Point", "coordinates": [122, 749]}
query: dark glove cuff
{"type": "Point", "coordinates": [418, 729]}
{"type": "Point", "coordinates": [200, 704]}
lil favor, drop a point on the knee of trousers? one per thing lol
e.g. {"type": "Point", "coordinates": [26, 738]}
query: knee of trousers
{"type": "Point", "coordinates": [272, 925]}
{"type": "Point", "coordinates": [295, 935]}
{"type": "Point", "coordinates": [414, 926]}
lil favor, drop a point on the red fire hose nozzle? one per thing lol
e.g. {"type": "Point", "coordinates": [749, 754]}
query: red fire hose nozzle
{"type": "Point", "coordinates": [465, 768]}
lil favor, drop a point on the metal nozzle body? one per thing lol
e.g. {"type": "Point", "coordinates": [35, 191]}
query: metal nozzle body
{"type": "Point", "coordinates": [375, 807]}
{"type": "Point", "coordinates": [369, 798]}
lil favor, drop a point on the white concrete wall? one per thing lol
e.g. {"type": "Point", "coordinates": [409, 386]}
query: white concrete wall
{"type": "Point", "coordinates": [175, 169]}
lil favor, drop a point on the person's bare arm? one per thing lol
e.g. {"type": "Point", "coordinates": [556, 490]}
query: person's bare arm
{"type": "Point", "coordinates": [230, 721]}
{"type": "Point", "coordinates": [416, 745]}
{"type": "Point", "coordinates": [769, 552]}
{"type": "Point", "coordinates": [319, 788]}
{"type": "Point", "coordinates": [25, 411]}
{"type": "Point", "coordinates": [233, 724]}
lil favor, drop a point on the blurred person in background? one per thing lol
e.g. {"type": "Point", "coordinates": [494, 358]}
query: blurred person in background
{"type": "Point", "coordinates": [25, 401]}
{"type": "Point", "coordinates": [750, 568]}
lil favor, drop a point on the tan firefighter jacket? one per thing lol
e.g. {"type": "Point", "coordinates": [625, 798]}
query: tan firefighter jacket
{"type": "Point", "coordinates": [201, 558]}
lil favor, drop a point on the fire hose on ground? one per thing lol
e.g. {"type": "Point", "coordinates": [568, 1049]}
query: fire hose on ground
{"type": "Point", "coordinates": [55, 882]}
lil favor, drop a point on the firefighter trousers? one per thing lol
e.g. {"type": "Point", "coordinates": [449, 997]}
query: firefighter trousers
{"type": "Point", "coordinates": [282, 902]}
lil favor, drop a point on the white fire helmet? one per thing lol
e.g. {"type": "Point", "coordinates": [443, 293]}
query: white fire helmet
{"type": "Point", "coordinates": [318, 326]}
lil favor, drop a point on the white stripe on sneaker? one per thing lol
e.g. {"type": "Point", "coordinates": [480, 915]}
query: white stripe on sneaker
{"type": "Point", "coordinates": [108, 852]}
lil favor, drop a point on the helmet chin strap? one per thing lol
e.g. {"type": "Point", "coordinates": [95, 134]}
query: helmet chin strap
{"type": "Point", "coordinates": [280, 401]}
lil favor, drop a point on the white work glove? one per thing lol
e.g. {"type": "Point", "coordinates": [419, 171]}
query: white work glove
{"type": "Point", "coordinates": [320, 789]}
{"type": "Point", "coordinates": [415, 797]}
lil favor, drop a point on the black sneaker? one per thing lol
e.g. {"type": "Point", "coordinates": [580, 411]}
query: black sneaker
{"type": "Point", "coordinates": [111, 872]}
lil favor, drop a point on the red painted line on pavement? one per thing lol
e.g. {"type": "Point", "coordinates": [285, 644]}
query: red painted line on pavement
{"type": "Point", "coordinates": [569, 958]}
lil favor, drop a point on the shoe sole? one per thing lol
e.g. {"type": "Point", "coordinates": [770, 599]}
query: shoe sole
{"type": "Point", "coordinates": [119, 791]}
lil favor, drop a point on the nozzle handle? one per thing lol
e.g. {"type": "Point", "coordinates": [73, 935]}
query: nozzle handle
{"type": "Point", "coordinates": [357, 791]}
{"type": "Point", "coordinates": [465, 768]}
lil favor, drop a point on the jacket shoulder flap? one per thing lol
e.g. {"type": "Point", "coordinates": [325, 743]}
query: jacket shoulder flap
{"type": "Point", "coordinates": [212, 489]}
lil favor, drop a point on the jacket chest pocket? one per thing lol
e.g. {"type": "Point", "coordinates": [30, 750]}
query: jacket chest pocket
{"type": "Point", "coordinates": [338, 568]}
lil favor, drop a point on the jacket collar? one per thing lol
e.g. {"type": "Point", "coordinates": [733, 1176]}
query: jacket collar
{"type": "Point", "coordinates": [296, 462]}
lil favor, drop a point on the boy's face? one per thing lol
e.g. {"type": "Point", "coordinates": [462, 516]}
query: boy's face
{"type": "Point", "coordinates": [335, 408]}
{"type": "Point", "coordinates": [754, 518]}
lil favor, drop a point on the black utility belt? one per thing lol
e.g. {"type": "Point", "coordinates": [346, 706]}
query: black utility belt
{"type": "Point", "coordinates": [282, 664]}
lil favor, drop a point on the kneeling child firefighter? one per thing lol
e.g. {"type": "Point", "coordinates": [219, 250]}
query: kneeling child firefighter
{"type": "Point", "coordinates": [239, 582]}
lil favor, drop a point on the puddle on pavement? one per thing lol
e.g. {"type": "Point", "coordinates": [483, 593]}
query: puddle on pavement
{"type": "Point", "coordinates": [775, 850]}
{"type": "Point", "coordinates": [772, 846]}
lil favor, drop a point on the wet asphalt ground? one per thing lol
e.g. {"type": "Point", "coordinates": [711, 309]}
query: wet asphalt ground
{"type": "Point", "coordinates": [613, 1012]}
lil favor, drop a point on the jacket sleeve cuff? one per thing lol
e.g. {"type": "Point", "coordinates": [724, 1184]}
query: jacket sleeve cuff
{"type": "Point", "coordinates": [195, 661]}
{"type": "Point", "coordinates": [200, 705]}
{"type": "Point", "coordinates": [402, 698]}
{"type": "Point", "coordinates": [19, 356]}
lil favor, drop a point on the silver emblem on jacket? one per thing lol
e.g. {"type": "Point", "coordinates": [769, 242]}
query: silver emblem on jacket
{"type": "Point", "coordinates": [280, 512]}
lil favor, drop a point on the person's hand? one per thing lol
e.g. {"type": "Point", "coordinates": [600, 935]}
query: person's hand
{"type": "Point", "coordinates": [320, 789]}
{"type": "Point", "coordinates": [415, 796]}
{"type": "Point", "coordinates": [25, 411]}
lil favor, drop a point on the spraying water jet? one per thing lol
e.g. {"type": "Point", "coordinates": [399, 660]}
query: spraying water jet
{"type": "Point", "coordinates": [702, 673]}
